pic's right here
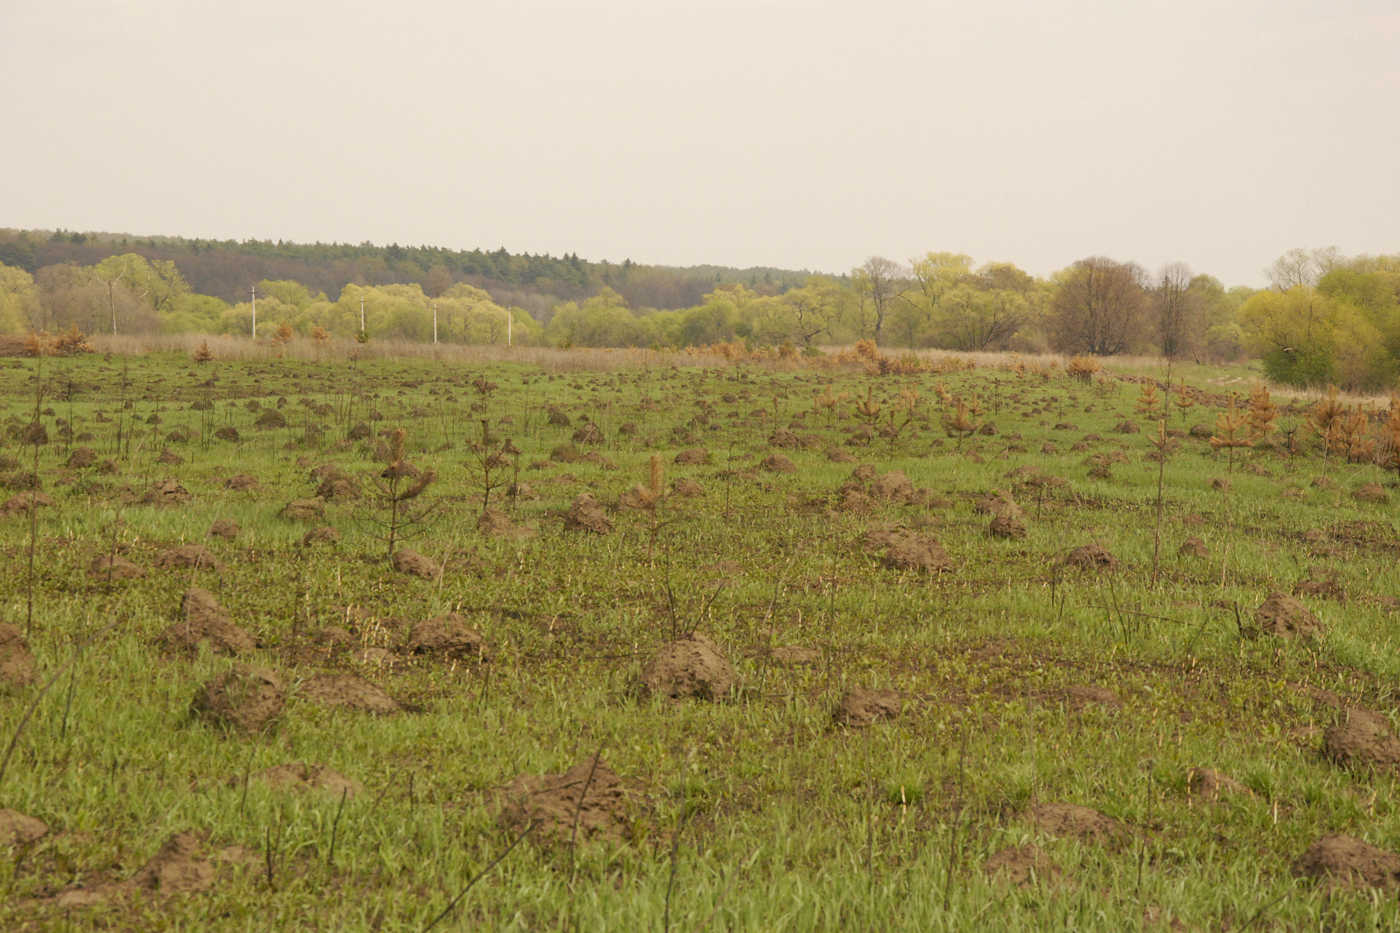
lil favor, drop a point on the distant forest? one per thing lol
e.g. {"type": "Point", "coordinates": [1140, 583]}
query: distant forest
{"type": "Point", "coordinates": [1326, 319]}
{"type": "Point", "coordinates": [227, 268]}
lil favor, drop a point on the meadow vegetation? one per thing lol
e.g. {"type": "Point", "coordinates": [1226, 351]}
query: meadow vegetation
{"type": "Point", "coordinates": [310, 635]}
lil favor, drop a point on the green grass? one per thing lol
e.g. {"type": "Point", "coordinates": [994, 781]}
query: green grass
{"type": "Point", "coordinates": [785, 822]}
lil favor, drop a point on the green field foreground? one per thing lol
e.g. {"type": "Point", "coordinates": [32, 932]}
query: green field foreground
{"type": "Point", "coordinates": [766, 645]}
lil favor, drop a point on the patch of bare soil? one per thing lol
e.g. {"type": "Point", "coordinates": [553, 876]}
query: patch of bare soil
{"type": "Point", "coordinates": [688, 667]}
{"type": "Point", "coordinates": [1343, 861]}
{"type": "Point", "coordinates": [304, 510]}
{"type": "Point", "coordinates": [178, 867]}
{"type": "Point", "coordinates": [906, 550]}
{"type": "Point", "coordinates": [187, 556]}
{"type": "Point", "coordinates": [347, 691]}
{"type": "Point", "coordinates": [1072, 820]}
{"type": "Point", "coordinates": [415, 564]}
{"type": "Point", "coordinates": [245, 699]}
{"type": "Point", "coordinates": [1209, 784]}
{"type": "Point", "coordinates": [19, 829]}
{"type": "Point", "coordinates": [1361, 739]}
{"type": "Point", "coordinates": [300, 776]}
{"type": "Point", "coordinates": [447, 636]}
{"type": "Point", "coordinates": [81, 458]}
{"type": "Point", "coordinates": [1090, 557]}
{"type": "Point", "coordinates": [339, 488]}
{"type": "Point", "coordinates": [777, 463]}
{"type": "Point", "coordinates": [322, 534]}
{"type": "Point", "coordinates": [115, 567]}
{"type": "Point", "coordinates": [589, 802]}
{"type": "Point", "coordinates": [1082, 695]}
{"type": "Point", "coordinates": [687, 488]}
{"type": "Point", "coordinates": [17, 665]}
{"type": "Point", "coordinates": [1022, 866]}
{"type": "Point", "coordinates": [1284, 616]}
{"type": "Point", "coordinates": [795, 655]}
{"type": "Point", "coordinates": [862, 707]}
{"type": "Point", "coordinates": [586, 514]}
{"type": "Point", "coordinates": [225, 528]}
{"type": "Point", "coordinates": [241, 482]}
{"type": "Point", "coordinates": [205, 621]}
{"type": "Point", "coordinates": [166, 492]}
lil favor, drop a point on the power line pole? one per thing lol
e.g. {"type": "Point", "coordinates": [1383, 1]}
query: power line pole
{"type": "Point", "coordinates": [362, 313]}
{"type": "Point", "coordinates": [434, 322]}
{"type": "Point", "coordinates": [253, 299]}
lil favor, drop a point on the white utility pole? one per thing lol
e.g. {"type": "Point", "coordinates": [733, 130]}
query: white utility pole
{"type": "Point", "coordinates": [508, 323]}
{"type": "Point", "coordinates": [253, 299]}
{"type": "Point", "coordinates": [362, 314]}
{"type": "Point", "coordinates": [434, 322]}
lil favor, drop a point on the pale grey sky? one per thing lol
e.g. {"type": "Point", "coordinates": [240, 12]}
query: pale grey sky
{"type": "Point", "coordinates": [790, 133]}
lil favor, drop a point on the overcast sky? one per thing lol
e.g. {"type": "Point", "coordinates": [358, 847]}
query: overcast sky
{"type": "Point", "coordinates": [789, 133]}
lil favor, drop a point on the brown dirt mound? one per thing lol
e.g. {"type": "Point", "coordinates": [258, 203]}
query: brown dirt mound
{"type": "Point", "coordinates": [17, 665]}
{"type": "Point", "coordinates": [498, 524]}
{"type": "Point", "coordinates": [1193, 547]}
{"type": "Point", "coordinates": [1361, 739]}
{"type": "Point", "coordinates": [893, 486]}
{"type": "Point", "coordinates": [205, 621]}
{"type": "Point", "coordinates": [693, 456]}
{"type": "Point", "coordinates": [587, 515]}
{"type": "Point", "coordinates": [167, 492]}
{"type": "Point", "coordinates": [225, 528]}
{"type": "Point", "coordinates": [1320, 584]}
{"type": "Point", "coordinates": [304, 510]}
{"type": "Point", "coordinates": [1347, 862]}
{"type": "Point", "coordinates": [322, 534]}
{"type": "Point", "coordinates": [348, 691]}
{"type": "Point", "coordinates": [1091, 557]}
{"type": "Point", "coordinates": [187, 556]}
{"type": "Point", "coordinates": [241, 482]}
{"type": "Point", "coordinates": [589, 795]}
{"type": "Point", "coordinates": [18, 829]}
{"type": "Point", "coordinates": [1007, 525]}
{"type": "Point", "coordinates": [905, 550]}
{"type": "Point", "coordinates": [246, 699]}
{"type": "Point", "coordinates": [447, 636]}
{"type": "Point", "coordinates": [1210, 784]}
{"type": "Point", "coordinates": [338, 488]}
{"type": "Point", "coordinates": [178, 867]}
{"type": "Point", "coordinates": [117, 568]}
{"type": "Point", "coordinates": [1068, 819]}
{"type": "Point", "coordinates": [688, 667]}
{"type": "Point", "coordinates": [862, 707]}
{"type": "Point", "coordinates": [1284, 616]}
{"type": "Point", "coordinates": [1022, 866]}
{"type": "Point", "coordinates": [415, 564]}
{"type": "Point", "coordinates": [81, 458]}
{"type": "Point", "coordinates": [17, 505]}
{"type": "Point", "coordinates": [1371, 492]}
{"type": "Point", "coordinates": [300, 776]}
{"type": "Point", "coordinates": [170, 458]}
{"type": "Point", "coordinates": [588, 433]}
{"type": "Point", "coordinates": [687, 488]}
{"type": "Point", "coordinates": [777, 463]}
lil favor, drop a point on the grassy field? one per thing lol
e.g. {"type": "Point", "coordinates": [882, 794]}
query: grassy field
{"type": "Point", "coordinates": [921, 702]}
